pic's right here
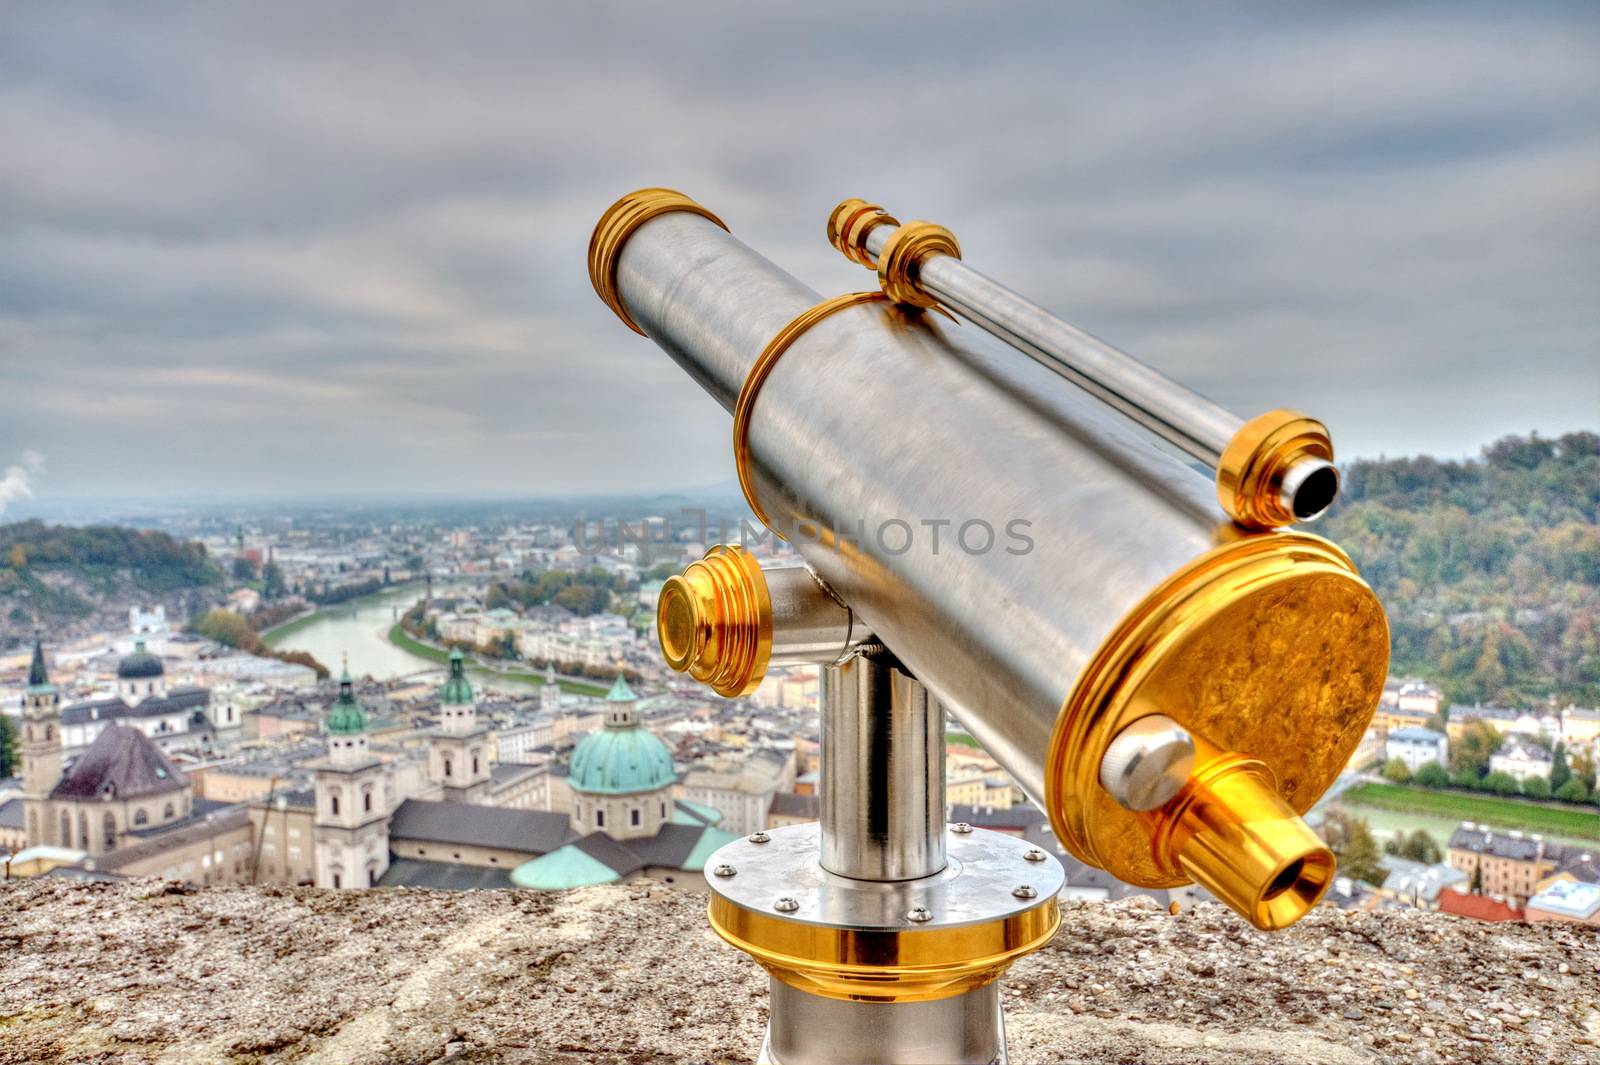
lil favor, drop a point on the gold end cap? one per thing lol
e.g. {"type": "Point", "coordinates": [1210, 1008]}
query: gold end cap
{"type": "Point", "coordinates": [848, 226]}
{"type": "Point", "coordinates": [1269, 645]}
{"type": "Point", "coordinates": [1277, 470]}
{"type": "Point", "coordinates": [900, 264]}
{"type": "Point", "coordinates": [714, 621]}
{"type": "Point", "coordinates": [617, 224]}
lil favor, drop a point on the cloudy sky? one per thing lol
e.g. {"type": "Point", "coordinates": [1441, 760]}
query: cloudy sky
{"type": "Point", "coordinates": [249, 251]}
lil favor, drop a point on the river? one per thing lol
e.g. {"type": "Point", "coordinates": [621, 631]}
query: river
{"type": "Point", "coordinates": [359, 628]}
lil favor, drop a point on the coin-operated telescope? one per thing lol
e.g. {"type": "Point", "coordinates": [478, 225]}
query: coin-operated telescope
{"type": "Point", "coordinates": [1172, 681]}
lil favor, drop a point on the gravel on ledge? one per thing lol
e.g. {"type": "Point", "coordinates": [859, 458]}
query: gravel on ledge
{"type": "Point", "coordinates": [141, 971]}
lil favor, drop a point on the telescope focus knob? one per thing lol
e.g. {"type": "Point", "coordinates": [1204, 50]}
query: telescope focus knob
{"type": "Point", "coordinates": [1148, 763]}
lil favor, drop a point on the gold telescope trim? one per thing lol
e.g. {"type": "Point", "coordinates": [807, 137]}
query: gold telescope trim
{"type": "Point", "coordinates": [903, 255]}
{"type": "Point", "coordinates": [1230, 831]}
{"type": "Point", "coordinates": [849, 224]}
{"type": "Point", "coordinates": [1251, 471]}
{"type": "Point", "coordinates": [759, 371]}
{"type": "Point", "coordinates": [907, 248]}
{"type": "Point", "coordinates": [1269, 649]}
{"type": "Point", "coordinates": [714, 621]}
{"type": "Point", "coordinates": [884, 965]}
{"type": "Point", "coordinates": [614, 229]}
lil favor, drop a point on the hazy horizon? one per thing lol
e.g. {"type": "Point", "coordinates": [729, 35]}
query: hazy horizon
{"type": "Point", "coordinates": [313, 253]}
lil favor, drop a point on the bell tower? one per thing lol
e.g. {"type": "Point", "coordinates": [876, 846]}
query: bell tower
{"type": "Point", "coordinates": [40, 747]}
{"type": "Point", "coordinates": [351, 826]}
{"type": "Point", "coordinates": [458, 751]}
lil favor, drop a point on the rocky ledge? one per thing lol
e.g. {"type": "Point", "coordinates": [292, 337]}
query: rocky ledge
{"type": "Point", "coordinates": [140, 971]}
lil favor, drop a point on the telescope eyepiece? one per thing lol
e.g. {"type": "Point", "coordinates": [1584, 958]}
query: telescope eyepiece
{"type": "Point", "coordinates": [1309, 488]}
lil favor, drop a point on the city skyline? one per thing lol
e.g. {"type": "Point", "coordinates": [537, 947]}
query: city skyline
{"type": "Point", "coordinates": [309, 257]}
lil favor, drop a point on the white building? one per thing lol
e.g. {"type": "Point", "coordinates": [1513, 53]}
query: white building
{"type": "Point", "coordinates": [741, 788]}
{"type": "Point", "coordinates": [1521, 760]}
{"type": "Point", "coordinates": [1418, 697]}
{"type": "Point", "coordinates": [516, 744]}
{"type": "Point", "coordinates": [1416, 747]}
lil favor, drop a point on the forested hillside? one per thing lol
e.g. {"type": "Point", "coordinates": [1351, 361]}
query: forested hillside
{"type": "Point", "coordinates": [1490, 568]}
{"type": "Point", "coordinates": [61, 574]}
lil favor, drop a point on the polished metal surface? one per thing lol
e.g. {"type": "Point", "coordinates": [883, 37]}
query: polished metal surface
{"type": "Point", "coordinates": [701, 301]}
{"type": "Point", "coordinates": [809, 625]}
{"type": "Point", "coordinates": [808, 1029]}
{"type": "Point", "coordinates": [1037, 517]}
{"type": "Point", "coordinates": [1148, 762]}
{"type": "Point", "coordinates": [1168, 409]}
{"type": "Point", "coordinates": [975, 886]}
{"type": "Point", "coordinates": [882, 772]}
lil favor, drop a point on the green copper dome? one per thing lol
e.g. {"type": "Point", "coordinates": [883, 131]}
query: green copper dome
{"type": "Point", "coordinates": [345, 716]}
{"type": "Point", "coordinates": [620, 692]}
{"type": "Point", "coordinates": [456, 691]}
{"type": "Point", "coordinates": [616, 761]}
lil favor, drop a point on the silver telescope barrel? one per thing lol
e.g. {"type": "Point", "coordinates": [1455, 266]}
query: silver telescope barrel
{"type": "Point", "coordinates": [1040, 564]}
{"type": "Point", "coordinates": [920, 263]}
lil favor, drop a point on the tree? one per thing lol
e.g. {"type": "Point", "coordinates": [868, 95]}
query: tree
{"type": "Point", "coordinates": [1418, 846]}
{"type": "Point", "coordinates": [1500, 783]}
{"type": "Point", "coordinates": [228, 628]}
{"type": "Point", "coordinates": [8, 747]}
{"type": "Point", "coordinates": [243, 569]}
{"type": "Point", "coordinates": [272, 585]}
{"type": "Point", "coordinates": [1432, 775]}
{"type": "Point", "coordinates": [1350, 839]}
{"type": "Point", "coordinates": [1583, 769]}
{"type": "Point", "coordinates": [1560, 771]}
{"type": "Point", "coordinates": [1536, 788]}
{"type": "Point", "coordinates": [1478, 742]}
{"type": "Point", "coordinates": [1396, 771]}
{"type": "Point", "coordinates": [1572, 791]}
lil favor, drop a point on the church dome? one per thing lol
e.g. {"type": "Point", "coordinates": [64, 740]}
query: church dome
{"type": "Point", "coordinates": [345, 716]}
{"type": "Point", "coordinates": [457, 690]}
{"type": "Point", "coordinates": [617, 761]}
{"type": "Point", "coordinates": [140, 665]}
{"type": "Point", "coordinates": [623, 757]}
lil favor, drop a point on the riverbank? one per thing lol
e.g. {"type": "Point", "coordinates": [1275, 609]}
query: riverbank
{"type": "Point", "coordinates": [411, 645]}
{"type": "Point", "coordinates": [1551, 819]}
{"type": "Point", "coordinates": [313, 616]}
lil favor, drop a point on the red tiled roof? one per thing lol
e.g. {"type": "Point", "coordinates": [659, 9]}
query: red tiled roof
{"type": "Point", "coordinates": [1482, 907]}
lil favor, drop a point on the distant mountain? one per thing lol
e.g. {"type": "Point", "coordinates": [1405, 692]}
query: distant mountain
{"type": "Point", "coordinates": [1489, 568]}
{"type": "Point", "coordinates": [70, 579]}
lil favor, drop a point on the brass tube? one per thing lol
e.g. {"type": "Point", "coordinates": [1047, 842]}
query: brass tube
{"type": "Point", "coordinates": [1232, 833]}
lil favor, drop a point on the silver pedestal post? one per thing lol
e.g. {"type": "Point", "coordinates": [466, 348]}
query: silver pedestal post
{"type": "Point", "coordinates": [882, 814]}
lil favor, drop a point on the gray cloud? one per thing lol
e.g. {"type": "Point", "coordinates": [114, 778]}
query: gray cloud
{"type": "Point", "coordinates": [252, 251]}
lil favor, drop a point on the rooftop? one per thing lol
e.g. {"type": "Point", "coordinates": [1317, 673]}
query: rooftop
{"type": "Point", "coordinates": [139, 972]}
{"type": "Point", "coordinates": [532, 831]}
{"type": "Point", "coordinates": [121, 763]}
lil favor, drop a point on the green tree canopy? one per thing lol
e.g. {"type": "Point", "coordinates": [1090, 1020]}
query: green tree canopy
{"type": "Point", "coordinates": [1432, 775]}
{"type": "Point", "coordinates": [1350, 839]}
{"type": "Point", "coordinates": [1396, 770]}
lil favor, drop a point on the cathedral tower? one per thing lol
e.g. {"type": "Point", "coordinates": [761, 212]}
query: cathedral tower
{"type": "Point", "coordinates": [351, 827]}
{"type": "Point", "coordinates": [458, 750]}
{"type": "Point", "coordinates": [40, 748]}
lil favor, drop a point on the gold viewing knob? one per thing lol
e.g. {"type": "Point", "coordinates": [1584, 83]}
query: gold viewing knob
{"type": "Point", "coordinates": [714, 621]}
